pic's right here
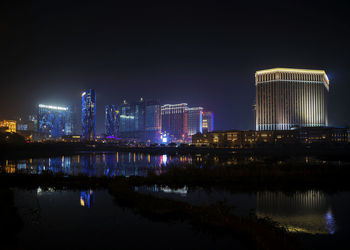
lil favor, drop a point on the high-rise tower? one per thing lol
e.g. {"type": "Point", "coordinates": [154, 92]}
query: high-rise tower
{"type": "Point", "coordinates": [287, 98]}
{"type": "Point", "coordinates": [195, 120]}
{"type": "Point", "coordinates": [88, 114]}
{"type": "Point", "coordinates": [174, 120]}
{"type": "Point", "coordinates": [111, 121]}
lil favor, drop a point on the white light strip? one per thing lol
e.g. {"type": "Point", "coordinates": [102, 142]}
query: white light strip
{"type": "Point", "coordinates": [53, 107]}
{"type": "Point", "coordinates": [127, 116]}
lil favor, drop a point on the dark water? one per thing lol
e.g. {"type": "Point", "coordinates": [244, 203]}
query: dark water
{"type": "Point", "coordinates": [127, 164]}
{"type": "Point", "coordinates": [102, 164]}
{"type": "Point", "coordinates": [91, 219]}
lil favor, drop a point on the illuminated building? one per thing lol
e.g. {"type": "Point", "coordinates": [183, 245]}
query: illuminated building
{"type": "Point", "coordinates": [287, 98]}
{"type": "Point", "coordinates": [88, 114]}
{"type": "Point", "coordinates": [208, 121]}
{"type": "Point", "coordinates": [54, 121]}
{"type": "Point", "coordinates": [195, 120]}
{"type": "Point", "coordinates": [28, 128]}
{"type": "Point", "coordinates": [175, 120]}
{"type": "Point", "coordinates": [76, 119]}
{"type": "Point", "coordinates": [251, 138]}
{"type": "Point", "coordinates": [153, 122]}
{"type": "Point", "coordinates": [132, 120]}
{"type": "Point", "coordinates": [8, 126]}
{"type": "Point", "coordinates": [111, 121]}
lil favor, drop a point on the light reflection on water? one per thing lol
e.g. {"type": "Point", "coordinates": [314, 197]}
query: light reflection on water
{"type": "Point", "coordinates": [306, 212]}
{"type": "Point", "coordinates": [127, 164]}
{"type": "Point", "coordinates": [106, 164]}
{"type": "Point", "coordinates": [87, 198]}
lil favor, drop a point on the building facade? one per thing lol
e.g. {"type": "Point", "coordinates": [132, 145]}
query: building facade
{"type": "Point", "coordinates": [111, 121]}
{"type": "Point", "coordinates": [252, 138]}
{"type": "Point", "coordinates": [88, 115]}
{"type": "Point", "coordinates": [54, 121]}
{"type": "Point", "coordinates": [287, 98]}
{"type": "Point", "coordinates": [8, 126]}
{"type": "Point", "coordinates": [175, 121]}
{"type": "Point", "coordinates": [195, 120]}
{"type": "Point", "coordinates": [153, 121]}
{"type": "Point", "coordinates": [208, 121]}
{"type": "Point", "coordinates": [132, 120]}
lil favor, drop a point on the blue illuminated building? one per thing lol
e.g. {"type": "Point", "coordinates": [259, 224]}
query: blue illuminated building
{"type": "Point", "coordinates": [88, 114]}
{"type": "Point", "coordinates": [111, 121]}
{"type": "Point", "coordinates": [153, 121]}
{"type": "Point", "coordinates": [54, 121]}
{"type": "Point", "coordinates": [132, 120]}
{"type": "Point", "coordinates": [195, 120]}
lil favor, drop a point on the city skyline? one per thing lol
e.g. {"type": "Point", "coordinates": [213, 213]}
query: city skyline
{"type": "Point", "coordinates": [208, 124]}
{"type": "Point", "coordinates": [200, 54]}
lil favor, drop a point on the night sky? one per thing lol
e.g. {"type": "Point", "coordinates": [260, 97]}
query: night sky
{"type": "Point", "coordinates": [204, 53]}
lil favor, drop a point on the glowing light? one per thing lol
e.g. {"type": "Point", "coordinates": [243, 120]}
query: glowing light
{"type": "Point", "coordinates": [306, 71]}
{"type": "Point", "coordinates": [53, 107]}
{"type": "Point", "coordinates": [9, 124]}
{"type": "Point", "coordinates": [164, 139]}
{"type": "Point", "coordinates": [84, 93]}
{"type": "Point", "coordinates": [127, 116]}
{"type": "Point", "coordinates": [330, 222]}
{"type": "Point", "coordinates": [164, 159]}
{"type": "Point", "coordinates": [311, 71]}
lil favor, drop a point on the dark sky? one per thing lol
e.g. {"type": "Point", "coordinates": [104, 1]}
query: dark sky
{"type": "Point", "coordinates": [204, 53]}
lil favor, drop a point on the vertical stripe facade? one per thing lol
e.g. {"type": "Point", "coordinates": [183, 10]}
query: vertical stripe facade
{"type": "Point", "coordinates": [286, 98]}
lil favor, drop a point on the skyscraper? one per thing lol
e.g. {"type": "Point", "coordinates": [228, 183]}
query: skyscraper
{"type": "Point", "coordinates": [54, 121]}
{"type": "Point", "coordinates": [153, 121]}
{"type": "Point", "coordinates": [287, 98]}
{"type": "Point", "coordinates": [174, 120]}
{"type": "Point", "coordinates": [88, 114]}
{"type": "Point", "coordinates": [195, 120]}
{"type": "Point", "coordinates": [208, 121]}
{"type": "Point", "coordinates": [132, 120]}
{"type": "Point", "coordinates": [76, 119]}
{"type": "Point", "coordinates": [111, 121]}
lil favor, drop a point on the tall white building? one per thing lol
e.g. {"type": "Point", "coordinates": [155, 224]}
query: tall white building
{"type": "Point", "coordinates": [195, 120]}
{"type": "Point", "coordinates": [286, 98]}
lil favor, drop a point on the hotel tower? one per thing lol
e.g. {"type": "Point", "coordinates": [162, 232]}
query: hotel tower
{"type": "Point", "coordinates": [287, 98]}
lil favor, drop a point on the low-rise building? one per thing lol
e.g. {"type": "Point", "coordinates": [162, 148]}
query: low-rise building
{"type": "Point", "coordinates": [251, 138]}
{"type": "Point", "coordinates": [8, 126]}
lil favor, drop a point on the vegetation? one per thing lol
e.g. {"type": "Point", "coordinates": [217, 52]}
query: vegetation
{"type": "Point", "coordinates": [21, 150]}
{"type": "Point", "coordinates": [15, 139]}
{"type": "Point", "coordinates": [258, 233]}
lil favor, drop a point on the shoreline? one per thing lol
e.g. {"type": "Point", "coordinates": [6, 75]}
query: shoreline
{"type": "Point", "coordinates": [39, 150]}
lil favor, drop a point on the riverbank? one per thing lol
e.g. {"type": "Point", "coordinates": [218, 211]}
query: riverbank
{"type": "Point", "coordinates": [250, 177]}
{"type": "Point", "coordinates": [52, 149]}
{"type": "Point", "coordinates": [218, 218]}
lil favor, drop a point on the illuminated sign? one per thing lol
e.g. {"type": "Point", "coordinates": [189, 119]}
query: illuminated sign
{"type": "Point", "coordinates": [53, 107]}
{"type": "Point", "coordinates": [127, 116]}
